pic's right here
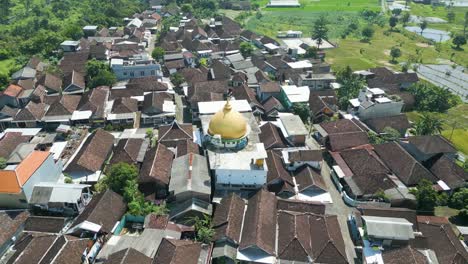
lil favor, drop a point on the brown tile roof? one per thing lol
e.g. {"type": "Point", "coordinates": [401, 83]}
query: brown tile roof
{"type": "Point", "coordinates": [35, 249]}
{"type": "Point", "coordinates": [203, 91]}
{"type": "Point", "coordinates": [27, 84]}
{"type": "Point", "coordinates": [271, 104]}
{"type": "Point", "coordinates": [301, 206]}
{"type": "Point", "coordinates": [32, 112]}
{"type": "Point", "coordinates": [442, 239]}
{"type": "Point", "coordinates": [270, 87]}
{"type": "Point", "coordinates": [65, 106]}
{"type": "Point", "coordinates": [307, 177]}
{"type": "Point", "coordinates": [95, 100]}
{"type": "Point", "coordinates": [13, 90]}
{"type": "Point", "coordinates": [184, 147]}
{"type": "Point", "coordinates": [8, 111]}
{"type": "Point", "coordinates": [402, 164]}
{"type": "Point", "coordinates": [261, 216]}
{"type": "Point", "coordinates": [340, 126]}
{"type": "Point", "coordinates": [343, 141]}
{"type": "Point", "coordinates": [93, 153]}
{"type": "Point", "coordinates": [124, 105]}
{"type": "Point", "coordinates": [396, 212]}
{"type": "Point", "coordinates": [432, 144]}
{"type": "Point", "coordinates": [227, 219]}
{"type": "Point", "coordinates": [105, 209]}
{"type": "Point", "coordinates": [175, 132]}
{"type": "Point", "coordinates": [172, 251]}
{"type": "Point", "coordinates": [127, 150]}
{"type": "Point", "coordinates": [305, 155]}
{"type": "Point", "coordinates": [244, 92]}
{"type": "Point", "coordinates": [11, 221]}
{"type": "Point", "coordinates": [153, 102]}
{"type": "Point", "coordinates": [154, 221]}
{"type": "Point", "coordinates": [52, 82]}
{"type": "Point", "coordinates": [72, 252]}
{"type": "Point", "coordinates": [369, 175]}
{"type": "Point", "coordinates": [10, 141]}
{"type": "Point", "coordinates": [147, 84]}
{"type": "Point", "coordinates": [271, 137]}
{"type": "Point", "coordinates": [303, 237]}
{"type": "Point", "coordinates": [403, 255]}
{"type": "Point", "coordinates": [278, 173]}
{"type": "Point", "coordinates": [74, 78]}
{"type": "Point", "coordinates": [448, 171]}
{"type": "Point", "coordinates": [157, 165]}
{"type": "Point", "coordinates": [44, 224]}
{"type": "Point", "coordinates": [398, 122]}
{"type": "Point", "coordinates": [128, 256]}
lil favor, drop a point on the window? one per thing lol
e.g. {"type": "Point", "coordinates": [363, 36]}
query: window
{"type": "Point", "coordinates": [125, 73]}
{"type": "Point", "coordinates": [132, 74]}
{"type": "Point", "coordinates": [153, 73]}
{"type": "Point", "coordinates": [142, 73]}
{"type": "Point", "coordinates": [23, 201]}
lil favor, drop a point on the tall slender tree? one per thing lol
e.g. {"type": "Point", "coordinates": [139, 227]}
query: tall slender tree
{"type": "Point", "coordinates": [320, 31]}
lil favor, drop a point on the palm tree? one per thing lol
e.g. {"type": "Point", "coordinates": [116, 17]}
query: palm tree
{"type": "Point", "coordinates": [428, 124]}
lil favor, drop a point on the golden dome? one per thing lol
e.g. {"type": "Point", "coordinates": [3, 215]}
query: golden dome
{"type": "Point", "coordinates": [228, 123]}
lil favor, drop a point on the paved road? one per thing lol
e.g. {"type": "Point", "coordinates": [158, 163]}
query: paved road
{"type": "Point", "coordinates": [340, 209]}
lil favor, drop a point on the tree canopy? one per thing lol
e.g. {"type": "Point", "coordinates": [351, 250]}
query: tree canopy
{"type": "Point", "coordinates": [246, 49]}
{"type": "Point", "coordinates": [99, 73]}
{"type": "Point", "coordinates": [425, 195]}
{"type": "Point", "coordinates": [302, 110]}
{"type": "Point", "coordinates": [158, 53]}
{"type": "Point", "coordinates": [320, 31]}
{"type": "Point", "coordinates": [351, 84]}
{"type": "Point", "coordinates": [429, 97]}
{"type": "Point", "coordinates": [428, 124]}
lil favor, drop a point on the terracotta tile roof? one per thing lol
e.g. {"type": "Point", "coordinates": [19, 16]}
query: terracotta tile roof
{"type": "Point", "coordinates": [128, 256]}
{"type": "Point", "coordinates": [270, 87]}
{"type": "Point", "coordinates": [448, 171]}
{"type": "Point", "coordinates": [105, 209]}
{"type": "Point", "coordinates": [10, 141]}
{"type": "Point", "coordinates": [51, 82]}
{"type": "Point", "coordinates": [147, 84]}
{"type": "Point", "coordinates": [307, 177]}
{"type": "Point", "coordinates": [402, 164]}
{"type": "Point", "coordinates": [153, 102]}
{"type": "Point", "coordinates": [11, 221]}
{"type": "Point", "coordinates": [172, 251]}
{"type": "Point", "coordinates": [261, 216]}
{"type": "Point", "coordinates": [157, 165]}
{"type": "Point", "coordinates": [35, 250]}
{"type": "Point", "coordinates": [93, 153]}
{"type": "Point", "coordinates": [72, 252]}
{"type": "Point", "coordinates": [305, 155]}
{"type": "Point", "coordinates": [13, 90]}
{"type": "Point", "coordinates": [8, 111]}
{"type": "Point", "coordinates": [227, 219]}
{"type": "Point", "coordinates": [65, 106]}
{"type": "Point", "coordinates": [184, 147]}
{"type": "Point", "coordinates": [271, 104]}
{"type": "Point", "coordinates": [26, 84]}
{"type": "Point", "coordinates": [74, 78]}
{"type": "Point", "coordinates": [271, 137]}
{"type": "Point", "coordinates": [13, 180]}
{"type": "Point", "coordinates": [95, 100]}
{"type": "Point", "coordinates": [432, 144]}
{"type": "Point", "coordinates": [203, 91]}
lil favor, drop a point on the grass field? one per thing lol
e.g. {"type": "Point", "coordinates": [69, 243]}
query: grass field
{"type": "Point", "coordinates": [456, 117]}
{"type": "Point", "coordinates": [328, 5]}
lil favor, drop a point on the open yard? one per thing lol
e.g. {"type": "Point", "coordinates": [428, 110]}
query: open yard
{"type": "Point", "coordinates": [328, 5]}
{"type": "Point", "coordinates": [456, 118]}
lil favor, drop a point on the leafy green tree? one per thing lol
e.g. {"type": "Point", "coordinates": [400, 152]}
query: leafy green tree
{"type": "Point", "coordinates": [246, 49]}
{"type": "Point", "coordinates": [320, 31]}
{"type": "Point", "coordinates": [136, 201]}
{"type": "Point", "coordinates": [3, 80]}
{"type": "Point", "coordinates": [68, 180]}
{"type": "Point", "coordinates": [405, 18]}
{"type": "Point", "coordinates": [429, 97]}
{"type": "Point", "coordinates": [99, 73]}
{"type": "Point", "coordinates": [423, 26]}
{"type": "Point", "coordinates": [4, 10]}
{"type": "Point", "coordinates": [390, 134]}
{"type": "Point", "coordinates": [367, 33]}
{"type": "Point", "coordinates": [451, 16]}
{"type": "Point", "coordinates": [302, 110]}
{"type": "Point", "coordinates": [465, 23]}
{"type": "Point", "coordinates": [351, 84]}
{"type": "Point", "coordinates": [459, 199]}
{"type": "Point", "coordinates": [177, 79]}
{"type": "Point", "coordinates": [73, 31]}
{"type": "Point", "coordinates": [428, 124]}
{"type": "Point", "coordinates": [459, 40]}
{"type": "Point", "coordinates": [203, 228]}
{"type": "Point", "coordinates": [203, 62]}
{"type": "Point", "coordinates": [396, 11]}
{"type": "Point", "coordinates": [258, 15]}
{"type": "Point", "coordinates": [393, 21]}
{"type": "Point", "coordinates": [158, 53]}
{"type": "Point", "coordinates": [311, 52]}
{"type": "Point", "coordinates": [463, 214]}
{"type": "Point", "coordinates": [186, 8]}
{"type": "Point", "coordinates": [425, 195]}
{"type": "Point", "coordinates": [395, 52]}
{"type": "Point", "coordinates": [3, 163]}
{"type": "Point", "coordinates": [374, 138]}
{"type": "Point", "coordinates": [118, 176]}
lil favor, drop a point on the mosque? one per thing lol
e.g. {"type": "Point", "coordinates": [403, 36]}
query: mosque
{"type": "Point", "coordinates": [231, 137]}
